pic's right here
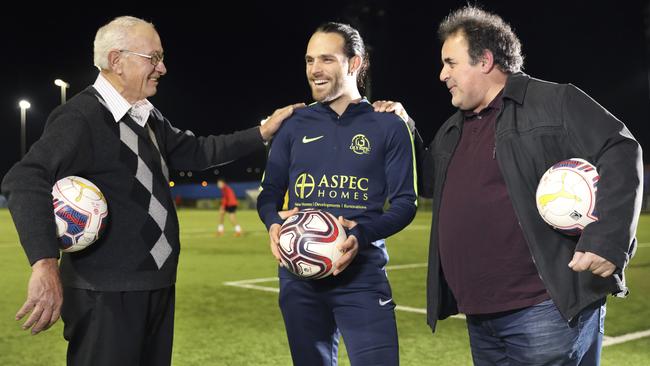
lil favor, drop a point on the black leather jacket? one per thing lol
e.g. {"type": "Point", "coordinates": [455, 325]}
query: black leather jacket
{"type": "Point", "coordinates": [542, 123]}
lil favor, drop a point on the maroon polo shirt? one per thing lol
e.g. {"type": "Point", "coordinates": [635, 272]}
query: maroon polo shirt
{"type": "Point", "coordinates": [483, 253]}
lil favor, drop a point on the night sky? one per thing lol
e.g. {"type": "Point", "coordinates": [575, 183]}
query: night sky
{"type": "Point", "coordinates": [229, 68]}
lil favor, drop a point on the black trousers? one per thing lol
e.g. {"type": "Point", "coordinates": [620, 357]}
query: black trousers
{"type": "Point", "coordinates": [132, 328]}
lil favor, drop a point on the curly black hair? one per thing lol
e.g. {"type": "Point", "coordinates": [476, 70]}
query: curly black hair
{"type": "Point", "coordinates": [484, 31]}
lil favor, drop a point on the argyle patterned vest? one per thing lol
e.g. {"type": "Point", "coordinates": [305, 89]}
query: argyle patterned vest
{"type": "Point", "coordinates": [150, 188]}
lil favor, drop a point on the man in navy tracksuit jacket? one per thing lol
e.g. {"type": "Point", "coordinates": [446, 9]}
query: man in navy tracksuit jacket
{"type": "Point", "coordinates": [340, 156]}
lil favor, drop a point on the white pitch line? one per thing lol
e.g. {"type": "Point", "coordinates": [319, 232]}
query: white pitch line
{"type": "Point", "coordinates": [410, 309]}
{"type": "Point", "coordinates": [254, 287]}
{"type": "Point", "coordinates": [423, 311]}
{"type": "Point", "coordinates": [607, 341]}
{"type": "Point", "coordinates": [249, 284]}
{"type": "Point", "coordinates": [610, 341]}
{"type": "Point", "coordinates": [254, 280]}
{"type": "Point", "coordinates": [273, 279]}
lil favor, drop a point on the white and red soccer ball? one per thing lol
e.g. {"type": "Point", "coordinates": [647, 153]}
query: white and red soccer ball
{"type": "Point", "coordinates": [80, 212]}
{"type": "Point", "coordinates": [566, 195]}
{"type": "Point", "coordinates": [309, 243]}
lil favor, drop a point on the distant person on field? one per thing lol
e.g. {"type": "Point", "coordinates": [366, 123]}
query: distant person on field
{"type": "Point", "coordinates": [229, 205]}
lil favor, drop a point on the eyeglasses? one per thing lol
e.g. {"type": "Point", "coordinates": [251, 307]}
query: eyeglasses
{"type": "Point", "coordinates": [155, 58]}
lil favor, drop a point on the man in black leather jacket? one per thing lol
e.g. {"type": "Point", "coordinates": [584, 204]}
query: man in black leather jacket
{"type": "Point", "coordinates": [531, 294]}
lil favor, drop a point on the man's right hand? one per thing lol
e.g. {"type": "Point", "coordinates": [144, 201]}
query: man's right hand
{"type": "Point", "coordinates": [274, 233]}
{"type": "Point", "coordinates": [44, 296]}
{"type": "Point", "coordinates": [271, 124]}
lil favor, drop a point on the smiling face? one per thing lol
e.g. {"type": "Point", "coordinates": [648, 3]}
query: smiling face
{"type": "Point", "coordinates": [138, 77]}
{"type": "Point", "coordinates": [466, 82]}
{"type": "Point", "coordinates": [327, 67]}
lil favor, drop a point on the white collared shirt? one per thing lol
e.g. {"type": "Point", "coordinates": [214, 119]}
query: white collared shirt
{"type": "Point", "coordinates": [118, 106]}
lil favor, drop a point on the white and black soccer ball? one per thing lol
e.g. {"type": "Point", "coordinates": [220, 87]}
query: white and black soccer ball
{"type": "Point", "coordinates": [309, 243]}
{"type": "Point", "coordinates": [566, 195]}
{"type": "Point", "coordinates": [80, 212]}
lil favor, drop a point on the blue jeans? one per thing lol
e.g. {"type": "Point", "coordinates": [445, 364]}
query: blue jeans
{"type": "Point", "coordinates": [537, 335]}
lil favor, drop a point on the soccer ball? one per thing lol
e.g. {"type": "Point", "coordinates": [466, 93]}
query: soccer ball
{"type": "Point", "coordinates": [566, 195]}
{"type": "Point", "coordinates": [309, 243]}
{"type": "Point", "coordinates": [80, 212]}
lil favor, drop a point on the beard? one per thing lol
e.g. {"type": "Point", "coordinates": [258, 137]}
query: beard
{"type": "Point", "coordinates": [332, 92]}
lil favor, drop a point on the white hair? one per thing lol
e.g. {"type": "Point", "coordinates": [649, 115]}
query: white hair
{"type": "Point", "coordinates": [113, 36]}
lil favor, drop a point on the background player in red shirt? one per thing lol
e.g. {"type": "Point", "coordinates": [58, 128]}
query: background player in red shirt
{"type": "Point", "coordinates": [228, 204]}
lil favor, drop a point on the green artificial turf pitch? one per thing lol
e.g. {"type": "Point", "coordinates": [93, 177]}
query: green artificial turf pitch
{"type": "Point", "coordinates": [220, 324]}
